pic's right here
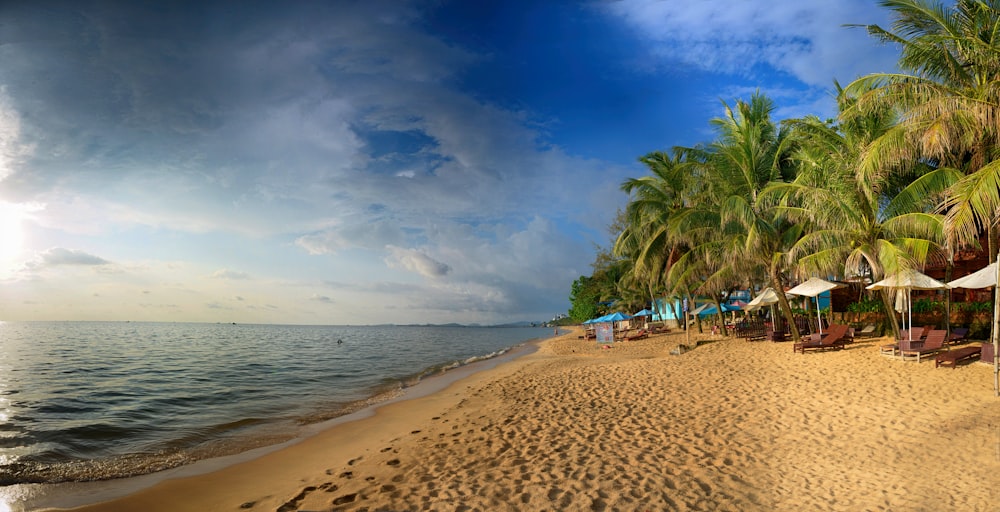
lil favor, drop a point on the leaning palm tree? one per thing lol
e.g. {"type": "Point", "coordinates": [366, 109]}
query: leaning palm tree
{"type": "Point", "coordinates": [864, 220]}
{"type": "Point", "coordinates": [948, 96]}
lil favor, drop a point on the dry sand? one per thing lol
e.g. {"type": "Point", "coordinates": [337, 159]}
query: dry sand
{"type": "Point", "coordinates": [730, 425]}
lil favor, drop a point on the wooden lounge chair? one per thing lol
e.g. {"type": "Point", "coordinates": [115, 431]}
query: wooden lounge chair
{"type": "Point", "coordinates": [834, 339]}
{"type": "Point", "coordinates": [904, 335]}
{"type": "Point", "coordinates": [933, 343]}
{"type": "Point", "coordinates": [868, 331]}
{"type": "Point", "coordinates": [640, 334]}
{"type": "Point", "coordinates": [958, 334]}
{"type": "Point", "coordinates": [953, 357]}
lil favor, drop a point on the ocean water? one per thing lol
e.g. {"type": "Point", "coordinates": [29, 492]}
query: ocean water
{"type": "Point", "coordinates": [83, 401]}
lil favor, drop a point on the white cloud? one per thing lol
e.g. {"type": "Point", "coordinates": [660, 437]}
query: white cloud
{"type": "Point", "coordinates": [225, 273]}
{"type": "Point", "coordinates": [804, 38]}
{"type": "Point", "coordinates": [416, 261]}
{"type": "Point", "coordinates": [59, 256]}
{"type": "Point", "coordinates": [12, 149]}
{"type": "Point", "coordinates": [321, 298]}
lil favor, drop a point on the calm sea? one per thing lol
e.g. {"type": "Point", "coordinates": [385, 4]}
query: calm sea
{"type": "Point", "coordinates": [98, 400]}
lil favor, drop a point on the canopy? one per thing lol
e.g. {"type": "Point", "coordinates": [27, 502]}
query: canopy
{"type": "Point", "coordinates": [908, 280]}
{"type": "Point", "coordinates": [813, 288]}
{"type": "Point", "coordinates": [982, 278]}
{"type": "Point", "coordinates": [766, 297]}
{"type": "Point", "coordinates": [615, 317]}
{"type": "Point", "coordinates": [911, 280]}
{"type": "Point", "coordinates": [709, 309]}
{"type": "Point", "coordinates": [644, 312]}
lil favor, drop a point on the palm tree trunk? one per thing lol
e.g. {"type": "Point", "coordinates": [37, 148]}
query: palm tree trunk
{"type": "Point", "coordinates": [890, 311]}
{"type": "Point", "coordinates": [718, 313]}
{"type": "Point", "coordinates": [783, 303]}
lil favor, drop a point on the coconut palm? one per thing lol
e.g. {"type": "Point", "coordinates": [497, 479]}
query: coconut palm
{"type": "Point", "coordinates": [646, 240]}
{"type": "Point", "coordinates": [864, 220]}
{"type": "Point", "coordinates": [731, 232]}
{"type": "Point", "coordinates": [948, 96]}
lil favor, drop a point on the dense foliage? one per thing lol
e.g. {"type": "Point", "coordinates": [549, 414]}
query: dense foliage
{"type": "Point", "coordinates": [906, 174]}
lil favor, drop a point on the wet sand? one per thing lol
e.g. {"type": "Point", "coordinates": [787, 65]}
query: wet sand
{"type": "Point", "coordinates": [730, 425]}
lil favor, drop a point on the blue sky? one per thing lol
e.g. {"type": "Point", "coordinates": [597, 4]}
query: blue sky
{"type": "Point", "coordinates": [363, 162]}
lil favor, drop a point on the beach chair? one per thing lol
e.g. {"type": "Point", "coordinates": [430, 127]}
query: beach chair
{"type": "Point", "coordinates": [958, 334]}
{"type": "Point", "coordinates": [640, 334]}
{"type": "Point", "coordinates": [868, 331]}
{"type": "Point", "coordinates": [953, 357]}
{"type": "Point", "coordinates": [904, 335]}
{"type": "Point", "coordinates": [834, 339]}
{"type": "Point", "coordinates": [987, 354]}
{"type": "Point", "coordinates": [933, 343]}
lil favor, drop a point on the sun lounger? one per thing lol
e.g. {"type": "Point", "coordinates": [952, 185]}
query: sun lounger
{"type": "Point", "coordinates": [904, 335]}
{"type": "Point", "coordinates": [953, 357]}
{"type": "Point", "coordinates": [835, 339]}
{"type": "Point", "coordinates": [933, 343]}
{"type": "Point", "coordinates": [867, 332]}
{"type": "Point", "coordinates": [637, 336]}
{"type": "Point", "coordinates": [958, 334]}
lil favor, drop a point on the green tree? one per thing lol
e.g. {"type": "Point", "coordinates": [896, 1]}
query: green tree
{"type": "Point", "coordinates": [584, 296]}
{"type": "Point", "coordinates": [948, 96]}
{"type": "Point", "coordinates": [863, 220]}
{"type": "Point", "coordinates": [732, 232]}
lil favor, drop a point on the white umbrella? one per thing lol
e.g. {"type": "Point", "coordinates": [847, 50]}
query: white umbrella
{"type": "Point", "coordinates": [813, 288]}
{"type": "Point", "coordinates": [984, 278]}
{"type": "Point", "coordinates": [909, 280]}
{"type": "Point", "coordinates": [766, 297]}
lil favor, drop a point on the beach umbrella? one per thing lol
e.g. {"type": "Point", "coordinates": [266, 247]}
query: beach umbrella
{"type": "Point", "coordinates": [644, 312]}
{"type": "Point", "coordinates": [984, 278]}
{"type": "Point", "coordinates": [709, 309]}
{"type": "Point", "coordinates": [766, 297]}
{"type": "Point", "coordinates": [909, 280]}
{"type": "Point", "coordinates": [814, 287]}
{"type": "Point", "coordinates": [616, 317]}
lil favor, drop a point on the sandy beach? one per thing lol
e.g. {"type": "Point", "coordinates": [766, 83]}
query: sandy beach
{"type": "Point", "coordinates": [730, 425]}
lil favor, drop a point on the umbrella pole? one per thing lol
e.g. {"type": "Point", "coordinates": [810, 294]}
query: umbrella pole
{"type": "Point", "coordinates": [819, 319]}
{"type": "Point", "coordinates": [909, 309]}
{"type": "Point", "coordinates": [996, 339]}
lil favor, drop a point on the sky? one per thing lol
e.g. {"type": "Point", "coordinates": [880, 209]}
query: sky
{"type": "Point", "coordinates": [364, 162]}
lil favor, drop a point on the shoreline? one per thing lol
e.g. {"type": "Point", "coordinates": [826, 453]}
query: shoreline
{"type": "Point", "coordinates": [730, 425]}
{"type": "Point", "coordinates": [71, 495]}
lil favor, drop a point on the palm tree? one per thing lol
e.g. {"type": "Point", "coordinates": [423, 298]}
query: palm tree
{"type": "Point", "coordinates": [864, 220]}
{"type": "Point", "coordinates": [948, 96]}
{"type": "Point", "coordinates": [646, 239]}
{"type": "Point", "coordinates": [732, 233]}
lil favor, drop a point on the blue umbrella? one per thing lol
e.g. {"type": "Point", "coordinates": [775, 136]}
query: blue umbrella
{"type": "Point", "coordinates": [644, 312]}
{"type": "Point", "coordinates": [615, 317]}
{"type": "Point", "coordinates": [710, 310]}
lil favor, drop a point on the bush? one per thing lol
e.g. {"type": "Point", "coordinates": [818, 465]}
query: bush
{"type": "Point", "coordinates": [973, 307]}
{"type": "Point", "coordinates": [872, 305]}
{"type": "Point", "coordinates": [927, 306]}
{"type": "Point", "coordinates": [979, 329]}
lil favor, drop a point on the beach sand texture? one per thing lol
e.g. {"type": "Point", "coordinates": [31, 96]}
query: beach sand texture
{"type": "Point", "coordinates": [730, 425]}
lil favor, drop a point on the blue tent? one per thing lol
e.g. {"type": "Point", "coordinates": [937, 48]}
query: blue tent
{"type": "Point", "coordinates": [710, 310]}
{"type": "Point", "coordinates": [615, 317]}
